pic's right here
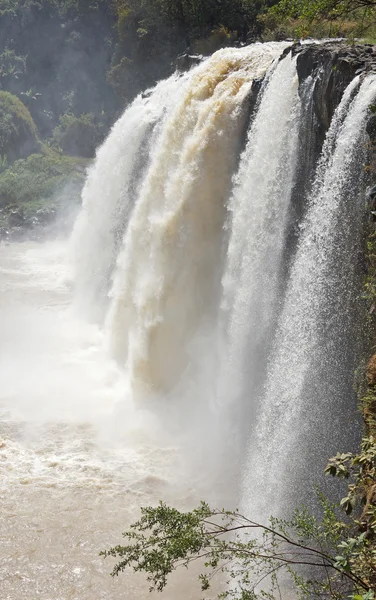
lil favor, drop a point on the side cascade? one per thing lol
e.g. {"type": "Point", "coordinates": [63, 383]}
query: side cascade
{"type": "Point", "coordinates": [310, 368]}
{"type": "Point", "coordinates": [110, 193]}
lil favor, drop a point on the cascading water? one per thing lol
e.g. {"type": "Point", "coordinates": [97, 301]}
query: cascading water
{"type": "Point", "coordinates": [301, 410]}
{"type": "Point", "coordinates": [259, 209]}
{"type": "Point", "coordinates": [167, 278]}
{"type": "Point", "coordinates": [200, 274]}
{"type": "Point", "coordinates": [110, 191]}
{"type": "Point", "coordinates": [212, 352]}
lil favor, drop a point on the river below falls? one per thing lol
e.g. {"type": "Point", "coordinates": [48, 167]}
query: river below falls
{"type": "Point", "coordinates": [77, 460]}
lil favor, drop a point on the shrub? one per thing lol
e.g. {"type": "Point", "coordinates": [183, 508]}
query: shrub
{"type": "Point", "coordinates": [37, 180]}
{"type": "Point", "coordinates": [18, 132]}
{"type": "Point", "coordinates": [78, 136]}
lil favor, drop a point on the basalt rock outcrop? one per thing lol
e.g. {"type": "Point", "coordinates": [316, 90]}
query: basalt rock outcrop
{"type": "Point", "coordinates": [334, 64]}
{"type": "Point", "coordinates": [328, 67]}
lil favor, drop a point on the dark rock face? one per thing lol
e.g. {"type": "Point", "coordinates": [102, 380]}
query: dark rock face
{"type": "Point", "coordinates": [186, 61]}
{"type": "Point", "coordinates": [324, 71]}
{"type": "Point", "coordinates": [335, 64]}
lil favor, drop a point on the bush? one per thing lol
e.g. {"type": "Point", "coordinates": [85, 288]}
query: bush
{"type": "Point", "coordinates": [12, 68]}
{"type": "Point", "coordinates": [218, 38]}
{"type": "Point", "coordinates": [79, 136]}
{"type": "Point", "coordinates": [18, 132]}
{"type": "Point", "coordinates": [37, 180]}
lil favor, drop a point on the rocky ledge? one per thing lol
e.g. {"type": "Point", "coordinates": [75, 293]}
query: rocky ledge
{"type": "Point", "coordinates": [335, 64]}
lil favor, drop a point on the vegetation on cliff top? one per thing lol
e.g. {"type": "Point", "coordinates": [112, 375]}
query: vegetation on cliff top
{"type": "Point", "coordinates": [71, 58]}
{"type": "Point", "coordinates": [325, 18]}
{"type": "Point", "coordinates": [75, 56]}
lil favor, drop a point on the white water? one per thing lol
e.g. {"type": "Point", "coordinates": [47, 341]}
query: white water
{"type": "Point", "coordinates": [168, 272]}
{"type": "Point", "coordinates": [122, 392]}
{"type": "Point", "coordinates": [75, 461]}
{"type": "Point", "coordinates": [110, 191]}
{"type": "Point", "coordinates": [259, 209]}
{"type": "Point", "coordinates": [79, 453]}
{"type": "Point", "coordinates": [309, 329]}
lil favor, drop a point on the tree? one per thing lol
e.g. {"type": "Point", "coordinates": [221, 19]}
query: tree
{"type": "Point", "coordinates": [322, 557]}
{"type": "Point", "coordinates": [313, 10]}
{"type": "Point", "coordinates": [18, 132]}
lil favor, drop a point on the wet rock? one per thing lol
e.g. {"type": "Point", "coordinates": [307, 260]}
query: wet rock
{"type": "Point", "coordinates": [371, 201]}
{"type": "Point", "coordinates": [371, 128]}
{"type": "Point", "coordinates": [371, 371]}
{"type": "Point", "coordinates": [15, 226]}
{"type": "Point", "coordinates": [334, 65]}
{"type": "Point", "coordinates": [366, 523]}
{"type": "Point", "coordinates": [371, 193]}
{"type": "Point", "coordinates": [186, 61]}
{"type": "Point", "coordinates": [16, 218]}
{"type": "Point", "coordinates": [44, 216]}
{"type": "Point", "coordinates": [17, 234]}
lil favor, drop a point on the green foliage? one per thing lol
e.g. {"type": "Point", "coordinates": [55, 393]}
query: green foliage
{"type": "Point", "coordinates": [120, 76]}
{"type": "Point", "coordinates": [218, 38]}
{"type": "Point", "coordinates": [11, 67]}
{"type": "Point", "coordinates": [358, 553]}
{"type": "Point", "coordinates": [61, 49]}
{"type": "Point", "coordinates": [247, 553]}
{"type": "Point", "coordinates": [323, 556]}
{"type": "Point", "coordinates": [37, 180]}
{"type": "Point", "coordinates": [117, 46]}
{"type": "Point", "coordinates": [368, 596]}
{"type": "Point", "coordinates": [362, 469]}
{"type": "Point", "coordinates": [123, 46]}
{"type": "Point", "coordinates": [18, 133]}
{"type": "Point", "coordinates": [79, 136]}
{"type": "Point", "coordinates": [329, 18]}
{"type": "Point", "coordinates": [330, 9]}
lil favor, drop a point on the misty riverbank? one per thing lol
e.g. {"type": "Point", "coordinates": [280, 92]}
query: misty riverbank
{"type": "Point", "coordinates": [77, 459]}
{"type": "Point", "coordinates": [40, 195]}
{"type": "Point", "coordinates": [44, 224]}
{"type": "Point", "coordinates": [52, 221]}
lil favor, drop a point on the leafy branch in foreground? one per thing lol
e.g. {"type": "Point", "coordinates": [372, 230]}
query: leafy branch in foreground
{"type": "Point", "coordinates": [251, 557]}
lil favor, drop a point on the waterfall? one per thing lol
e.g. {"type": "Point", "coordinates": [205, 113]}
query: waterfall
{"type": "Point", "coordinates": [168, 272]}
{"type": "Point", "coordinates": [110, 191]}
{"type": "Point", "coordinates": [302, 392]}
{"type": "Point", "coordinates": [259, 209]}
{"type": "Point", "coordinates": [183, 254]}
